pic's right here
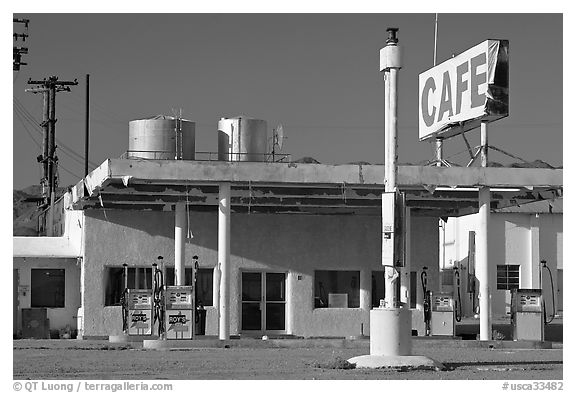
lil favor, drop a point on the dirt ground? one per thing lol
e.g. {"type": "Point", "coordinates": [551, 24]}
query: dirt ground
{"type": "Point", "coordinates": [100, 360]}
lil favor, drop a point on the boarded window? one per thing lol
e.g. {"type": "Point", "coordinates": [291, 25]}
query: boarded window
{"type": "Point", "coordinates": [336, 288]}
{"type": "Point", "coordinates": [507, 277]}
{"type": "Point", "coordinates": [47, 288]}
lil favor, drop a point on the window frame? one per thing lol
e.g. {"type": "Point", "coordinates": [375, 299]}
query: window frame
{"type": "Point", "coordinates": [504, 281]}
{"type": "Point", "coordinates": [352, 300]}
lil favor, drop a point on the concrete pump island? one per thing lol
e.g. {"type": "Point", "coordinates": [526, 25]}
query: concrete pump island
{"type": "Point", "coordinates": [168, 248]}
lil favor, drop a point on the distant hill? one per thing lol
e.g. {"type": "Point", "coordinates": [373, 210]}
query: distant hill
{"type": "Point", "coordinates": [25, 210]}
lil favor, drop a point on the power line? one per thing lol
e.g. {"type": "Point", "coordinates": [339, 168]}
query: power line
{"type": "Point", "coordinates": [21, 119]}
{"type": "Point", "coordinates": [19, 116]}
{"type": "Point", "coordinates": [64, 148]}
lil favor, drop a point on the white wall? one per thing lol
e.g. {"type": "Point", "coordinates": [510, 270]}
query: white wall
{"type": "Point", "coordinates": [59, 317]}
{"type": "Point", "coordinates": [514, 239]}
{"type": "Point", "coordinates": [294, 244]}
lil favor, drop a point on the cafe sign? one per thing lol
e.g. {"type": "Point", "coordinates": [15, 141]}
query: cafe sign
{"type": "Point", "coordinates": [458, 94]}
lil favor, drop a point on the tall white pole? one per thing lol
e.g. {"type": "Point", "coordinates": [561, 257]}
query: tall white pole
{"type": "Point", "coordinates": [405, 276]}
{"type": "Point", "coordinates": [224, 260]}
{"type": "Point", "coordinates": [393, 130]}
{"type": "Point", "coordinates": [179, 242]}
{"type": "Point", "coordinates": [387, 142]}
{"type": "Point", "coordinates": [390, 332]}
{"type": "Point", "coordinates": [482, 267]}
{"type": "Point", "coordinates": [435, 37]}
{"type": "Point", "coordinates": [484, 143]}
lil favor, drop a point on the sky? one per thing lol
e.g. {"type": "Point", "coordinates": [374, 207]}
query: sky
{"type": "Point", "coordinates": [316, 74]}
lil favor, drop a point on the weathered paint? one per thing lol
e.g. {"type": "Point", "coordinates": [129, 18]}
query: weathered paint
{"type": "Point", "coordinates": [68, 245]}
{"type": "Point", "coordinates": [297, 245]}
{"type": "Point", "coordinates": [164, 171]}
{"type": "Point", "coordinates": [59, 317]}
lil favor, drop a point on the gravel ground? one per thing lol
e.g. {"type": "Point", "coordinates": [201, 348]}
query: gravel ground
{"type": "Point", "coordinates": [100, 360]}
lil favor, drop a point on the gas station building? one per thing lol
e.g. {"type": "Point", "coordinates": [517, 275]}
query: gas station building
{"type": "Point", "coordinates": [304, 240]}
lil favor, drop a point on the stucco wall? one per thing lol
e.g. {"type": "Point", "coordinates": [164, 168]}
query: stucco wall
{"type": "Point", "coordinates": [514, 239]}
{"type": "Point", "coordinates": [293, 244]}
{"type": "Point", "coordinates": [59, 317]}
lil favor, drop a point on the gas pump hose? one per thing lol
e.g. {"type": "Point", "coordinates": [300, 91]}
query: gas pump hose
{"type": "Point", "coordinates": [546, 321]}
{"type": "Point", "coordinates": [157, 298]}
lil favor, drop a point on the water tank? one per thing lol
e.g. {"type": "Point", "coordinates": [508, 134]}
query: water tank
{"type": "Point", "coordinates": [162, 138]}
{"type": "Point", "coordinates": [242, 138]}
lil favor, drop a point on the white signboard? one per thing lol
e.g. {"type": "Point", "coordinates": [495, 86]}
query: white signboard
{"type": "Point", "coordinates": [457, 94]}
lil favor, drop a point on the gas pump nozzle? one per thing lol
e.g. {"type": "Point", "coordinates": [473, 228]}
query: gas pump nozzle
{"type": "Point", "coordinates": [427, 299]}
{"type": "Point", "coordinates": [456, 296]}
{"type": "Point", "coordinates": [158, 297]}
{"type": "Point", "coordinates": [124, 299]}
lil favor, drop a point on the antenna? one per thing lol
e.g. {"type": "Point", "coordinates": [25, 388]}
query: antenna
{"type": "Point", "coordinates": [279, 136]}
{"type": "Point", "coordinates": [277, 139]}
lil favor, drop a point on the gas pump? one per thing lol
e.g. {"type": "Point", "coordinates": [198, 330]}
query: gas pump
{"type": "Point", "coordinates": [442, 315]}
{"type": "Point", "coordinates": [457, 299]}
{"type": "Point", "coordinates": [427, 299]}
{"type": "Point", "coordinates": [137, 309]}
{"type": "Point", "coordinates": [527, 316]}
{"type": "Point", "coordinates": [542, 267]}
{"type": "Point", "coordinates": [180, 309]}
{"type": "Point", "coordinates": [179, 318]}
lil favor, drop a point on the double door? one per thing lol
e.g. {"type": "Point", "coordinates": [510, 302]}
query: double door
{"type": "Point", "coordinates": [263, 302]}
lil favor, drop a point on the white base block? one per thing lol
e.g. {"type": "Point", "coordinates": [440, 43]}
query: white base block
{"type": "Point", "coordinates": [390, 332]}
{"type": "Point", "coordinates": [376, 361]}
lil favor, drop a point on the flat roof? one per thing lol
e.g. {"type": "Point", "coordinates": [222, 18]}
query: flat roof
{"type": "Point", "coordinates": [272, 187]}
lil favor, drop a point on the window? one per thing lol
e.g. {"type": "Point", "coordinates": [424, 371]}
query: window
{"type": "Point", "coordinates": [141, 278]}
{"type": "Point", "coordinates": [334, 288]}
{"type": "Point", "coordinates": [413, 288]}
{"type": "Point", "coordinates": [507, 277]}
{"type": "Point", "coordinates": [138, 278]}
{"type": "Point", "coordinates": [203, 283]}
{"type": "Point", "coordinates": [378, 285]}
{"type": "Point", "coordinates": [47, 288]}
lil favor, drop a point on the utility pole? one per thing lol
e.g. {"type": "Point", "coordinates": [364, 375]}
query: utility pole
{"type": "Point", "coordinates": [18, 51]}
{"type": "Point", "coordinates": [49, 87]}
{"type": "Point", "coordinates": [87, 137]}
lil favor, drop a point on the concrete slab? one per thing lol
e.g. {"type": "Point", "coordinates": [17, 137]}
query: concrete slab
{"type": "Point", "coordinates": [418, 344]}
{"type": "Point", "coordinates": [124, 338]}
{"type": "Point", "coordinates": [410, 362]}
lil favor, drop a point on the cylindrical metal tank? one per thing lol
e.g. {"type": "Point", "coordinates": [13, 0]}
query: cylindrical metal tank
{"type": "Point", "coordinates": [242, 139]}
{"type": "Point", "coordinates": [162, 138]}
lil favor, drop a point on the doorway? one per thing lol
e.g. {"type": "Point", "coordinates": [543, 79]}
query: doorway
{"type": "Point", "coordinates": [263, 302]}
{"type": "Point", "coordinates": [15, 301]}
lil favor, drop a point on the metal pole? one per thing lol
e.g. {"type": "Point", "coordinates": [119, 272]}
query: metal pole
{"type": "Point", "coordinates": [391, 277]}
{"type": "Point", "coordinates": [179, 243]}
{"type": "Point", "coordinates": [435, 37]}
{"type": "Point", "coordinates": [439, 141]}
{"type": "Point", "coordinates": [405, 280]}
{"type": "Point", "coordinates": [484, 144]}
{"type": "Point", "coordinates": [224, 259]}
{"type": "Point", "coordinates": [87, 137]}
{"type": "Point", "coordinates": [482, 262]}
{"type": "Point", "coordinates": [387, 143]}
{"type": "Point", "coordinates": [45, 144]}
{"type": "Point", "coordinates": [51, 139]}
{"type": "Point", "coordinates": [390, 332]}
{"type": "Point", "coordinates": [439, 151]}
{"type": "Point", "coordinates": [393, 129]}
